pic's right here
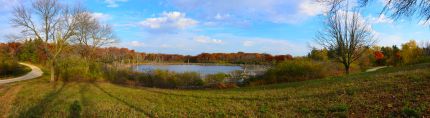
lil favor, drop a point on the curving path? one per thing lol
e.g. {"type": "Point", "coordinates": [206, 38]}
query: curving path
{"type": "Point", "coordinates": [375, 68]}
{"type": "Point", "coordinates": [35, 73]}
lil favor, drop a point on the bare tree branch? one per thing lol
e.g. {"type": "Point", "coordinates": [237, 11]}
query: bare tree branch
{"type": "Point", "coordinates": [54, 23]}
{"type": "Point", "coordinates": [347, 35]}
{"type": "Point", "coordinates": [394, 8]}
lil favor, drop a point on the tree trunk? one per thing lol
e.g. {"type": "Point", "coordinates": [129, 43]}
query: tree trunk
{"type": "Point", "coordinates": [52, 72]}
{"type": "Point", "coordinates": [347, 69]}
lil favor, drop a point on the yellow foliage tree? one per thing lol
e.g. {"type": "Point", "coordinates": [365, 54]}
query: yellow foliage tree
{"type": "Point", "coordinates": [410, 51]}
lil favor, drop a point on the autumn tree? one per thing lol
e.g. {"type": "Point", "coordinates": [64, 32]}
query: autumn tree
{"type": "Point", "coordinates": [346, 35]}
{"type": "Point", "coordinates": [410, 51]}
{"type": "Point", "coordinates": [379, 56]}
{"type": "Point", "coordinates": [50, 21]}
{"type": "Point", "coordinates": [317, 54]}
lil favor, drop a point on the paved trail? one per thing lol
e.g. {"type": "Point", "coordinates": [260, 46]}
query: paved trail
{"type": "Point", "coordinates": [35, 73]}
{"type": "Point", "coordinates": [375, 68]}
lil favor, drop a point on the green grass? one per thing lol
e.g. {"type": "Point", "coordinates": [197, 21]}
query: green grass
{"type": "Point", "coordinates": [22, 70]}
{"type": "Point", "coordinates": [397, 92]}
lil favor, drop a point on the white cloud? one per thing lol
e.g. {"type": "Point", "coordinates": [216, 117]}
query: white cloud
{"type": "Point", "coordinates": [168, 21]}
{"type": "Point", "coordinates": [390, 40]}
{"type": "Point", "coordinates": [312, 8]}
{"type": "Point", "coordinates": [207, 40]}
{"type": "Point", "coordinates": [248, 43]}
{"type": "Point", "coordinates": [113, 3]}
{"type": "Point", "coordinates": [101, 16]}
{"type": "Point", "coordinates": [193, 43]}
{"type": "Point", "coordinates": [277, 11]}
{"type": "Point", "coordinates": [6, 5]}
{"type": "Point", "coordinates": [219, 16]}
{"type": "Point", "coordinates": [381, 19]}
{"type": "Point", "coordinates": [272, 46]}
{"type": "Point", "coordinates": [136, 44]}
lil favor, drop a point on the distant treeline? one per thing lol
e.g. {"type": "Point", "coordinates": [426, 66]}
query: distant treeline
{"type": "Point", "coordinates": [31, 51]}
{"type": "Point", "coordinates": [234, 58]}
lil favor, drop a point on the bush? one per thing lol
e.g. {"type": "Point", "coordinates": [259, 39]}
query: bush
{"type": "Point", "coordinates": [294, 70]}
{"type": "Point", "coordinates": [216, 78]}
{"type": "Point", "coordinates": [189, 79]}
{"type": "Point", "coordinates": [9, 67]}
{"type": "Point", "coordinates": [76, 68]}
{"type": "Point", "coordinates": [155, 78]}
{"type": "Point", "coordinates": [422, 59]}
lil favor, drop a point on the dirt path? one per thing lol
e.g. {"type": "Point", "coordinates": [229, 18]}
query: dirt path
{"type": "Point", "coordinates": [375, 68]}
{"type": "Point", "coordinates": [35, 73]}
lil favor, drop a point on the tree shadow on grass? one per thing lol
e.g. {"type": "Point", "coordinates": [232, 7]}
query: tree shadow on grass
{"type": "Point", "coordinates": [75, 110]}
{"type": "Point", "coordinates": [219, 97]}
{"type": "Point", "coordinates": [84, 99]}
{"type": "Point", "coordinates": [41, 107]}
{"type": "Point", "coordinates": [124, 102]}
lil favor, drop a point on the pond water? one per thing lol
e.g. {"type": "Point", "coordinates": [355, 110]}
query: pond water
{"type": "Point", "coordinates": [202, 69]}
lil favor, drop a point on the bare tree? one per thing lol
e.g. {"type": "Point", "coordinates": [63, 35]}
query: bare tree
{"type": "Point", "coordinates": [394, 8]}
{"type": "Point", "coordinates": [347, 35]}
{"type": "Point", "coordinates": [91, 34]}
{"type": "Point", "coordinates": [426, 48]}
{"type": "Point", "coordinates": [54, 23]}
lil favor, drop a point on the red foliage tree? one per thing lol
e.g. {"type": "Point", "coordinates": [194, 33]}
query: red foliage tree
{"type": "Point", "coordinates": [378, 55]}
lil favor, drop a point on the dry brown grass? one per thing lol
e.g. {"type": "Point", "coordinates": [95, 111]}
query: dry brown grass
{"type": "Point", "coordinates": [7, 99]}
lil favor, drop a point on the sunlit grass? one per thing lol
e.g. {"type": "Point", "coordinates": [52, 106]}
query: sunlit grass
{"type": "Point", "coordinates": [395, 91]}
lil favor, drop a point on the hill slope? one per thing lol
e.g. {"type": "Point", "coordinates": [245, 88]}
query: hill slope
{"type": "Point", "coordinates": [399, 91]}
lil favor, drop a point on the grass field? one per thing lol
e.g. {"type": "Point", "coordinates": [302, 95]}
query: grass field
{"type": "Point", "coordinates": [399, 91]}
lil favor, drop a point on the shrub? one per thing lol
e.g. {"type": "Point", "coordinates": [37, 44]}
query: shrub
{"type": "Point", "coordinates": [189, 79]}
{"type": "Point", "coordinates": [423, 59]}
{"type": "Point", "coordinates": [216, 78]}
{"type": "Point", "coordinates": [167, 79]}
{"type": "Point", "coordinates": [76, 68]}
{"type": "Point", "coordinates": [10, 67]}
{"type": "Point", "coordinates": [294, 70]}
{"type": "Point", "coordinates": [155, 78]}
{"type": "Point", "coordinates": [410, 113]}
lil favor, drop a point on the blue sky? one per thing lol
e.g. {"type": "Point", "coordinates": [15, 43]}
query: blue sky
{"type": "Point", "coordinates": [196, 26]}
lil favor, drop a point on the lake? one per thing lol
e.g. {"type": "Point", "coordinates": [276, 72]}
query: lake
{"type": "Point", "coordinates": [202, 69]}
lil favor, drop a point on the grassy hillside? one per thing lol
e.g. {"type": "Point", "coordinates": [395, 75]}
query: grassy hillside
{"type": "Point", "coordinates": [400, 91]}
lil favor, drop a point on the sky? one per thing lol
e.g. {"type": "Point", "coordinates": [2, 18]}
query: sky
{"type": "Point", "coordinates": [191, 27]}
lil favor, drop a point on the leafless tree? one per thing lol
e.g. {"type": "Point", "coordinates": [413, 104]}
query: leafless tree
{"type": "Point", "coordinates": [50, 21]}
{"type": "Point", "coordinates": [394, 8]}
{"type": "Point", "coordinates": [91, 34]}
{"type": "Point", "coordinates": [426, 48]}
{"type": "Point", "coordinates": [347, 35]}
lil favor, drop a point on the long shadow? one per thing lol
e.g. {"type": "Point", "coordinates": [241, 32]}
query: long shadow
{"type": "Point", "coordinates": [124, 102]}
{"type": "Point", "coordinates": [41, 107]}
{"type": "Point", "coordinates": [232, 98]}
{"type": "Point", "coordinates": [83, 88]}
{"type": "Point", "coordinates": [205, 97]}
{"type": "Point", "coordinates": [75, 110]}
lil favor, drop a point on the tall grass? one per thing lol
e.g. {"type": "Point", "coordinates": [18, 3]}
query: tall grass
{"type": "Point", "coordinates": [166, 79]}
{"type": "Point", "coordinates": [296, 70]}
